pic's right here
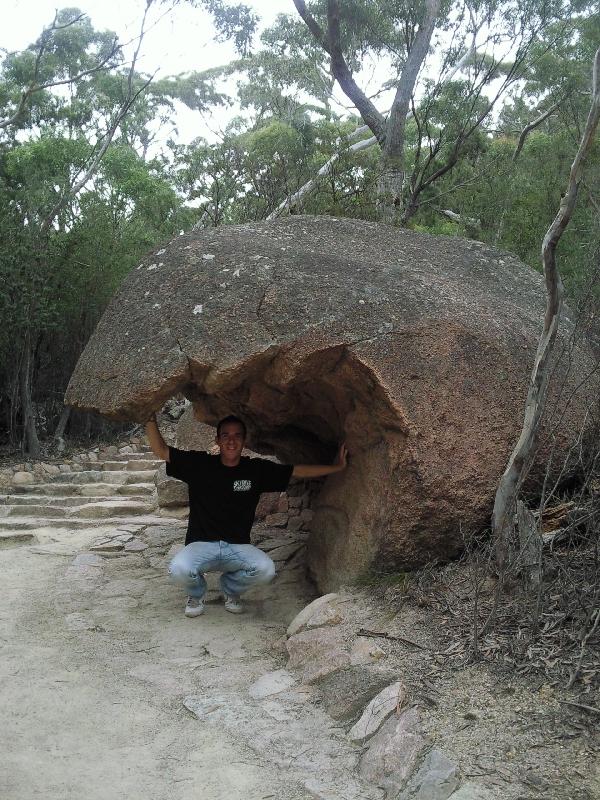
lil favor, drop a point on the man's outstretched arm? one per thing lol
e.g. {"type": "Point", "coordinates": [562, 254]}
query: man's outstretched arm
{"type": "Point", "coordinates": [159, 447]}
{"type": "Point", "coordinates": [319, 470]}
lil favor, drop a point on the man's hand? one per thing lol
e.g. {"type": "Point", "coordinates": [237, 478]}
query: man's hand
{"type": "Point", "coordinates": [155, 439]}
{"type": "Point", "coordinates": [320, 470]}
{"type": "Point", "coordinates": [341, 458]}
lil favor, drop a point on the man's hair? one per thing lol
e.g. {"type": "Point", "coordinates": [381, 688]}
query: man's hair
{"type": "Point", "coordinates": [231, 418]}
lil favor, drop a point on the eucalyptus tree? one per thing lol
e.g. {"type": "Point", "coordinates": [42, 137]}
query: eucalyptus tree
{"type": "Point", "coordinates": [446, 63]}
{"type": "Point", "coordinates": [63, 102]}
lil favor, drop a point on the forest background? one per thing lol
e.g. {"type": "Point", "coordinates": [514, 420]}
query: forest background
{"type": "Point", "coordinates": [455, 118]}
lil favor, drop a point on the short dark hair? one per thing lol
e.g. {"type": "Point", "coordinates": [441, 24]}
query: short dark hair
{"type": "Point", "coordinates": [231, 418]}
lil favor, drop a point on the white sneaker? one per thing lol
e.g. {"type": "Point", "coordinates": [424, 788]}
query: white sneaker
{"type": "Point", "coordinates": [194, 607]}
{"type": "Point", "coordinates": [233, 604]}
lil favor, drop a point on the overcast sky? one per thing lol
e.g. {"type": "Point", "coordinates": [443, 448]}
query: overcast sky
{"type": "Point", "coordinates": [180, 40]}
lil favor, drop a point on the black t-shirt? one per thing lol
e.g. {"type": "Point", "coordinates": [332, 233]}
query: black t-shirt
{"type": "Point", "coordinates": [223, 499]}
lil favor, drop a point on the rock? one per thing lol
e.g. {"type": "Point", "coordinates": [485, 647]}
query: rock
{"type": "Point", "coordinates": [92, 456]}
{"type": "Point", "coordinates": [317, 653]}
{"type": "Point", "coordinates": [171, 492]}
{"type": "Point", "coordinates": [126, 450]}
{"type": "Point", "coordinates": [163, 537]}
{"type": "Point", "coordinates": [51, 469]}
{"type": "Point", "coordinates": [135, 546]}
{"type": "Point", "coordinates": [346, 329]}
{"type": "Point", "coordinates": [283, 505]}
{"type": "Point", "coordinates": [267, 505]}
{"type": "Point", "coordinates": [271, 683]}
{"type": "Point", "coordinates": [472, 791]}
{"type": "Point", "coordinates": [379, 709]}
{"type": "Point", "coordinates": [286, 551]}
{"type": "Point", "coordinates": [295, 524]}
{"type": "Point", "coordinates": [277, 520]}
{"type": "Point", "coordinates": [22, 478]}
{"type": "Point", "coordinates": [345, 693]}
{"type": "Point", "coordinates": [301, 620]}
{"type": "Point", "coordinates": [393, 753]}
{"type": "Point", "coordinates": [87, 560]}
{"type": "Point", "coordinates": [436, 779]}
{"type": "Point", "coordinates": [365, 651]}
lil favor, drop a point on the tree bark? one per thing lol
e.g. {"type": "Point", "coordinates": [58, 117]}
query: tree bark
{"type": "Point", "coordinates": [31, 442]}
{"type": "Point", "coordinates": [391, 179]}
{"type": "Point", "coordinates": [520, 458]}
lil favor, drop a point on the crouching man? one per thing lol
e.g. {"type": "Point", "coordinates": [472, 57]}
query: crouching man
{"type": "Point", "coordinates": [224, 491]}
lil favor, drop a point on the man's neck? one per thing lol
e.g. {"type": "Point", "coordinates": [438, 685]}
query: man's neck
{"type": "Point", "coordinates": [230, 463]}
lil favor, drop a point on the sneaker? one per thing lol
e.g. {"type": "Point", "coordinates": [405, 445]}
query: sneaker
{"type": "Point", "coordinates": [233, 604]}
{"type": "Point", "coordinates": [194, 607]}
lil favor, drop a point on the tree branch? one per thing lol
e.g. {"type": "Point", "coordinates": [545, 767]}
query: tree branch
{"type": "Point", "coordinates": [532, 125]}
{"type": "Point", "coordinates": [76, 185]}
{"type": "Point", "coordinates": [35, 87]}
{"type": "Point", "coordinates": [331, 43]}
{"type": "Point", "coordinates": [394, 140]}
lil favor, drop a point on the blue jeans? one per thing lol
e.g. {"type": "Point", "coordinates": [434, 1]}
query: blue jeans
{"type": "Point", "coordinates": [242, 565]}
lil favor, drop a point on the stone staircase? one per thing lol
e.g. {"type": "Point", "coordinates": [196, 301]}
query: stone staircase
{"type": "Point", "coordinates": [89, 493]}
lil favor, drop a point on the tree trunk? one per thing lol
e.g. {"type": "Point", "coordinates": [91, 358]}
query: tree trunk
{"type": "Point", "coordinates": [31, 443]}
{"type": "Point", "coordinates": [520, 458]}
{"type": "Point", "coordinates": [389, 189]}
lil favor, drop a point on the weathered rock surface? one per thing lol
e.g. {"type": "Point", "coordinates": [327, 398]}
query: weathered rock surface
{"type": "Point", "coordinates": [379, 709]}
{"type": "Point", "coordinates": [416, 350]}
{"type": "Point", "coordinates": [393, 753]}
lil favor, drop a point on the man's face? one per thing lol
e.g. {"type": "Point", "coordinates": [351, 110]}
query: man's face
{"type": "Point", "coordinates": [231, 442]}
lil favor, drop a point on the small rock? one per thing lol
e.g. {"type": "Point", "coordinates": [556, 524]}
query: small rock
{"type": "Point", "coordinates": [379, 709]}
{"type": "Point", "coordinates": [345, 693]}
{"type": "Point", "coordinates": [92, 456]}
{"type": "Point", "coordinates": [88, 560]}
{"type": "Point", "coordinates": [126, 450]}
{"type": "Point", "coordinates": [283, 504]}
{"type": "Point", "coordinates": [393, 753]}
{"type": "Point", "coordinates": [51, 469]}
{"type": "Point", "coordinates": [300, 621]}
{"type": "Point", "coordinates": [437, 778]}
{"type": "Point", "coordinates": [271, 683]}
{"type": "Point", "coordinates": [317, 653]}
{"type": "Point", "coordinates": [294, 502]}
{"type": "Point", "coordinates": [278, 520]}
{"type": "Point", "coordinates": [365, 652]}
{"type": "Point", "coordinates": [295, 524]}
{"type": "Point", "coordinates": [135, 545]}
{"type": "Point", "coordinates": [472, 791]}
{"type": "Point", "coordinates": [22, 478]}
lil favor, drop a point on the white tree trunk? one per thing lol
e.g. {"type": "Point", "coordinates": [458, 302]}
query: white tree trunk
{"type": "Point", "coordinates": [518, 463]}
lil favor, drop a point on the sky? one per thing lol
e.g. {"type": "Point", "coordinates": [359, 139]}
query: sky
{"type": "Point", "coordinates": [179, 39]}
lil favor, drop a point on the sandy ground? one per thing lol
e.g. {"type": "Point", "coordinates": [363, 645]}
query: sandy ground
{"type": "Point", "coordinates": [96, 661]}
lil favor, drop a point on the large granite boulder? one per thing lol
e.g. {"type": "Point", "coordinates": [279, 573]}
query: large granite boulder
{"type": "Point", "coordinates": [414, 349]}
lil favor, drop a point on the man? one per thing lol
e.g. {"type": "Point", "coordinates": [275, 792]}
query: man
{"type": "Point", "coordinates": [224, 492]}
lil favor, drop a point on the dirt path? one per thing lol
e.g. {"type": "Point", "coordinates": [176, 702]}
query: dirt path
{"type": "Point", "coordinates": [97, 660]}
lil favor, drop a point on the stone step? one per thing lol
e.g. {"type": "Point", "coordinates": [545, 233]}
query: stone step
{"type": "Point", "coordinates": [65, 501]}
{"type": "Point", "coordinates": [124, 465]}
{"type": "Point", "coordinates": [85, 489]}
{"type": "Point", "coordinates": [102, 476]}
{"type": "Point", "coordinates": [106, 508]}
{"type": "Point", "coordinates": [73, 523]}
{"type": "Point", "coordinates": [111, 508]}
